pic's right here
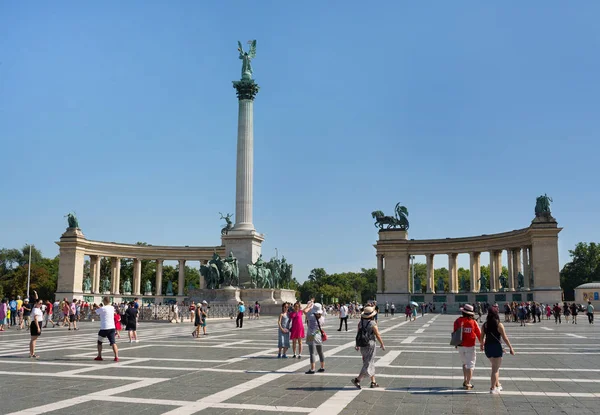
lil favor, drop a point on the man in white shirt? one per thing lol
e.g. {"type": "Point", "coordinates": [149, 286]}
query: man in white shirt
{"type": "Point", "coordinates": [343, 316]}
{"type": "Point", "coordinates": [107, 328]}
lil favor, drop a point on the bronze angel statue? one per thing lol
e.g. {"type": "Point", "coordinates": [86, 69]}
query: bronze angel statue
{"type": "Point", "coordinates": [246, 57]}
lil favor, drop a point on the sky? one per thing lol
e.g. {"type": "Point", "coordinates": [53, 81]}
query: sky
{"type": "Point", "coordinates": [464, 112]}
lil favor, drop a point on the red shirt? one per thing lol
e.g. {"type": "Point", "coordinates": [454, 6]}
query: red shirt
{"type": "Point", "coordinates": [471, 331]}
{"type": "Point", "coordinates": [49, 307]}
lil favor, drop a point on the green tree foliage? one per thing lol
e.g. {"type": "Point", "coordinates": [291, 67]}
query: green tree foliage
{"type": "Point", "coordinates": [584, 267]}
{"type": "Point", "coordinates": [345, 287]}
{"type": "Point", "coordinates": [14, 267]}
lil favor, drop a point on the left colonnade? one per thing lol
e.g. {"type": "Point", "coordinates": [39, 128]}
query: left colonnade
{"type": "Point", "coordinates": [74, 248]}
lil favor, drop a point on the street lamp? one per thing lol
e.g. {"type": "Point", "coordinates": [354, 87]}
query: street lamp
{"type": "Point", "coordinates": [29, 271]}
{"type": "Point", "coordinates": [412, 260]}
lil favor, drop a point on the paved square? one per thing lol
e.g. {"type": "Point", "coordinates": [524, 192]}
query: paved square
{"type": "Point", "coordinates": [556, 370]}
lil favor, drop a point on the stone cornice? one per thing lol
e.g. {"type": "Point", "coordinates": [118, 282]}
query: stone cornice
{"type": "Point", "coordinates": [119, 250]}
{"type": "Point", "coordinates": [389, 244]}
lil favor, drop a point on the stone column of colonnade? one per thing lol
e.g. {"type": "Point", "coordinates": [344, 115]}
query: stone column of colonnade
{"type": "Point", "coordinates": [526, 268]}
{"type": "Point", "coordinates": [475, 270]}
{"type": "Point", "coordinates": [137, 276]}
{"type": "Point", "coordinates": [159, 274]}
{"type": "Point", "coordinates": [95, 273]}
{"type": "Point", "coordinates": [511, 277]}
{"type": "Point", "coordinates": [498, 263]}
{"type": "Point", "coordinates": [430, 274]}
{"type": "Point", "coordinates": [181, 280]}
{"type": "Point", "coordinates": [516, 254]}
{"type": "Point", "coordinates": [493, 276]}
{"type": "Point", "coordinates": [452, 273]}
{"type": "Point", "coordinates": [530, 264]}
{"type": "Point", "coordinates": [202, 282]}
{"type": "Point", "coordinates": [115, 275]}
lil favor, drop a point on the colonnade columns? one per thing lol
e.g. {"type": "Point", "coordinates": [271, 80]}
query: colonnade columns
{"type": "Point", "coordinates": [526, 268]}
{"type": "Point", "coordinates": [511, 277]}
{"type": "Point", "coordinates": [181, 281]}
{"type": "Point", "coordinates": [516, 254]}
{"type": "Point", "coordinates": [380, 277]}
{"type": "Point", "coordinates": [531, 277]}
{"type": "Point", "coordinates": [430, 273]}
{"type": "Point", "coordinates": [95, 273]}
{"type": "Point", "coordinates": [115, 274]}
{"type": "Point", "coordinates": [498, 264]}
{"type": "Point", "coordinates": [137, 276]}
{"type": "Point", "coordinates": [452, 273]}
{"type": "Point", "coordinates": [202, 282]}
{"type": "Point", "coordinates": [159, 272]}
{"type": "Point", "coordinates": [475, 270]}
{"type": "Point", "coordinates": [493, 275]}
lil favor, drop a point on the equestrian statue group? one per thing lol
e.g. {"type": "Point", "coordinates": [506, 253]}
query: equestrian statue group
{"type": "Point", "coordinates": [221, 272]}
{"type": "Point", "coordinates": [399, 221]}
{"type": "Point", "coordinates": [277, 273]}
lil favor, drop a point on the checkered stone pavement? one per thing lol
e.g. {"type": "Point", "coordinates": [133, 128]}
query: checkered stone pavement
{"type": "Point", "coordinates": [555, 371]}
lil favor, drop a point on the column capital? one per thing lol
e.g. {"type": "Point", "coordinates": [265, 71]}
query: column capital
{"type": "Point", "coordinates": [246, 89]}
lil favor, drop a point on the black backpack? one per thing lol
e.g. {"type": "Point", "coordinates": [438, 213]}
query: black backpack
{"type": "Point", "coordinates": [362, 337]}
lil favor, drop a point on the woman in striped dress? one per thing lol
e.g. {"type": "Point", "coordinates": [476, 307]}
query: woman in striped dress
{"type": "Point", "coordinates": [368, 352]}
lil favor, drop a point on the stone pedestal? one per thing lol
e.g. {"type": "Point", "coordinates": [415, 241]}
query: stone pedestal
{"type": "Point", "coordinates": [70, 268]}
{"type": "Point", "coordinates": [262, 295]}
{"type": "Point", "coordinates": [148, 293]}
{"type": "Point", "coordinates": [227, 295]}
{"type": "Point", "coordinates": [127, 293]}
{"type": "Point", "coordinates": [284, 296]}
{"type": "Point", "coordinates": [246, 247]}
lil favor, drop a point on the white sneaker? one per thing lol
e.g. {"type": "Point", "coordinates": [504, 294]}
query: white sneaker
{"type": "Point", "coordinates": [494, 391]}
{"type": "Point", "coordinates": [499, 387]}
{"type": "Point", "coordinates": [137, 341]}
{"type": "Point", "coordinates": [130, 341]}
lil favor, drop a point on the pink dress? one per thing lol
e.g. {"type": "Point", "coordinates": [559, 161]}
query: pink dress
{"type": "Point", "coordinates": [297, 330]}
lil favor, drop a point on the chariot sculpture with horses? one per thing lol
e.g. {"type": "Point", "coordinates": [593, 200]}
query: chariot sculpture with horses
{"type": "Point", "coordinates": [399, 221]}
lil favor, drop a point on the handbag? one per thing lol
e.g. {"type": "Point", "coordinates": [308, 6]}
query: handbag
{"type": "Point", "coordinates": [456, 339]}
{"type": "Point", "coordinates": [323, 334]}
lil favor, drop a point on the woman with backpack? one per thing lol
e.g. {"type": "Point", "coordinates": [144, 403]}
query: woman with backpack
{"type": "Point", "coordinates": [493, 331]}
{"type": "Point", "coordinates": [365, 342]}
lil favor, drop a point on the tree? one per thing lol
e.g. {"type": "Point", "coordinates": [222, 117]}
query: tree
{"type": "Point", "coordinates": [584, 267]}
{"type": "Point", "coordinates": [421, 273]}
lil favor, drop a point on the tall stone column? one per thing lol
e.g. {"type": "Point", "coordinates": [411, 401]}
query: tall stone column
{"type": "Point", "coordinates": [181, 281]}
{"type": "Point", "coordinates": [430, 274]}
{"type": "Point", "coordinates": [137, 276]}
{"type": "Point", "coordinates": [526, 268]}
{"type": "Point", "coordinates": [380, 281]}
{"type": "Point", "coordinates": [511, 277]}
{"type": "Point", "coordinates": [243, 240]}
{"type": "Point", "coordinates": [493, 275]}
{"type": "Point", "coordinates": [159, 272]}
{"type": "Point", "coordinates": [246, 91]}
{"type": "Point", "coordinates": [115, 274]}
{"type": "Point", "coordinates": [95, 273]}
{"type": "Point", "coordinates": [475, 270]}
{"type": "Point", "coordinates": [452, 273]}
{"type": "Point", "coordinates": [516, 262]}
{"type": "Point", "coordinates": [531, 275]}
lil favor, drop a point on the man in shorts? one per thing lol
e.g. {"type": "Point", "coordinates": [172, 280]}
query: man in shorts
{"type": "Point", "coordinates": [107, 328]}
{"type": "Point", "coordinates": [466, 350]}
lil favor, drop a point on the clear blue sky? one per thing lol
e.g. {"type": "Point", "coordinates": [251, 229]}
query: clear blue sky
{"type": "Point", "coordinates": [464, 112]}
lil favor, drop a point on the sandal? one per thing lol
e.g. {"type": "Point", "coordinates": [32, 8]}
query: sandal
{"type": "Point", "coordinates": [34, 356]}
{"type": "Point", "coordinates": [356, 383]}
{"type": "Point", "coordinates": [374, 385]}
